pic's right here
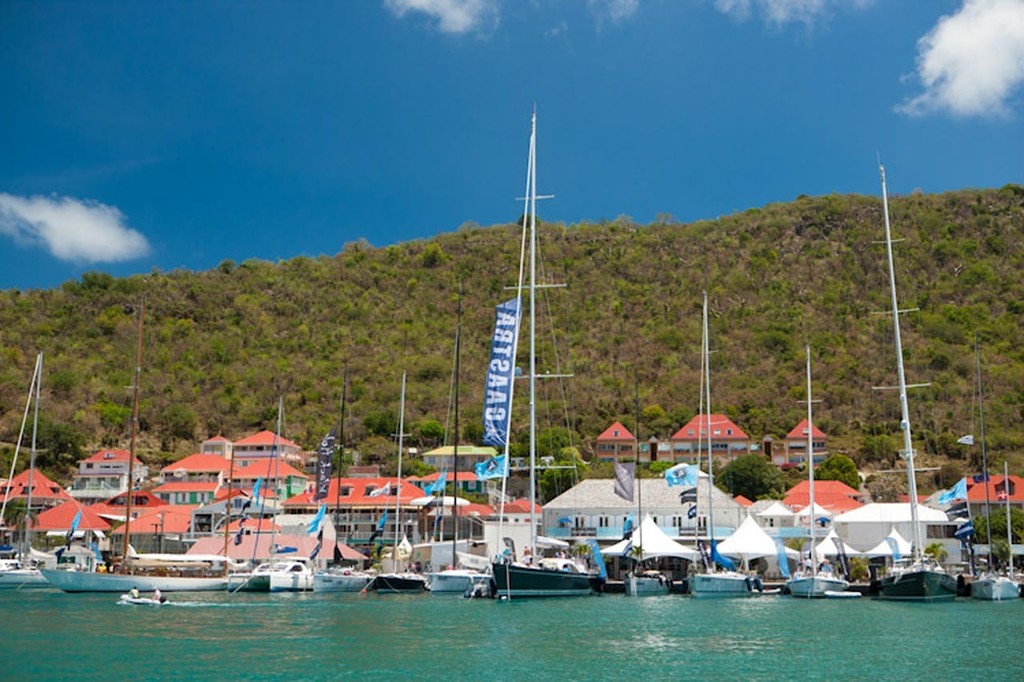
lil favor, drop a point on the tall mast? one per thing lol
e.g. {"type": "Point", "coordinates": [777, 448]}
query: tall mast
{"type": "Point", "coordinates": [398, 489]}
{"type": "Point", "coordinates": [984, 451]}
{"type": "Point", "coordinates": [455, 439]}
{"type": "Point", "coordinates": [135, 429]}
{"type": "Point", "coordinates": [341, 447]}
{"type": "Point", "coordinates": [533, 341]}
{"type": "Point", "coordinates": [636, 461]}
{"type": "Point", "coordinates": [32, 459]}
{"type": "Point", "coordinates": [810, 466]}
{"type": "Point", "coordinates": [21, 438]}
{"type": "Point", "coordinates": [1009, 529]}
{"type": "Point", "coordinates": [707, 404]}
{"type": "Point", "coordinates": [908, 445]}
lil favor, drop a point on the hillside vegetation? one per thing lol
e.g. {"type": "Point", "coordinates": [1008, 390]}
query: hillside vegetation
{"type": "Point", "coordinates": [221, 346]}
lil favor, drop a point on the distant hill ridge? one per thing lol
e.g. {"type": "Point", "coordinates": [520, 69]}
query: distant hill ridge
{"type": "Point", "coordinates": [222, 345]}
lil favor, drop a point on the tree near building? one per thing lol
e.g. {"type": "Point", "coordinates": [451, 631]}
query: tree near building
{"type": "Point", "coordinates": [752, 476]}
{"type": "Point", "coordinates": [839, 468]}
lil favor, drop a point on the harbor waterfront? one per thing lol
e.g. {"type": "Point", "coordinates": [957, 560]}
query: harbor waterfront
{"type": "Point", "coordinates": [200, 636]}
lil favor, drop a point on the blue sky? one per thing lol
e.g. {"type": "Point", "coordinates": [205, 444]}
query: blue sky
{"type": "Point", "coordinates": [141, 136]}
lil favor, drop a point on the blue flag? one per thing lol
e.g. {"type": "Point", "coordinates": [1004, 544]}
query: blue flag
{"type": "Point", "coordinates": [681, 474]}
{"type": "Point", "coordinates": [255, 497]}
{"type": "Point", "coordinates": [495, 467]}
{"type": "Point", "coordinates": [894, 546]}
{"type": "Point", "coordinates": [780, 546]}
{"type": "Point", "coordinates": [438, 485]}
{"type": "Point", "coordinates": [627, 527]}
{"type": "Point", "coordinates": [380, 527]}
{"type": "Point", "coordinates": [74, 525]}
{"type": "Point", "coordinates": [957, 492]}
{"type": "Point", "coordinates": [965, 531]}
{"type": "Point", "coordinates": [595, 550]}
{"type": "Point", "coordinates": [314, 525]}
{"type": "Point", "coordinates": [501, 374]}
{"type": "Point", "coordinates": [980, 478]}
{"type": "Point", "coordinates": [722, 561]}
{"type": "Point", "coordinates": [691, 513]}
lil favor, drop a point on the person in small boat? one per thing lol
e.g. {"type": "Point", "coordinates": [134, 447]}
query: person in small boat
{"type": "Point", "coordinates": [157, 596]}
{"type": "Point", "coordinates": [134, 593]}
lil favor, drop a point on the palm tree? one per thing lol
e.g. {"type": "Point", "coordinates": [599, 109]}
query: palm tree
{"type": "Point", "coordinates": [936, 551]}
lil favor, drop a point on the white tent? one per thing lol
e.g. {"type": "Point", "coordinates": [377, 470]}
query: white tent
{"type": "Point", "coordinates": [777, 510]}
{"type": "Point", "coordinates": [749, 541]}
{"type": "Point", "coordinates": [827, 547]}
{"type": "Point", "coordinates": [654, 543]}
{"type": "Point", "coordinates": [819, 512]}
{"type": "Point", "coordinates": [883, 548]}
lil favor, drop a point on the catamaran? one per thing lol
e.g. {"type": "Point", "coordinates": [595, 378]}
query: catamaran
{"type": "Point", "coordinates": [921, 578]}
{"type": "Point", "coordinates": [992, 586]}
{"type": "Point", "coordinates": [812, 582]}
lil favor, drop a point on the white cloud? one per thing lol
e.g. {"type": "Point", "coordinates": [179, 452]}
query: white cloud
{"type": "Point", "coordinates": [453, 16]}
{"type": "Point", "coordinates": [615, 10]}
{"type": "Point", "coordinates": [71, 230]}
{"type": "Point", "coordinates": [971, 62]}
{"type": "Point", "coordinates": [786, 11]}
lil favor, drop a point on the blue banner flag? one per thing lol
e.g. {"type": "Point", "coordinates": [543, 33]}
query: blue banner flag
{"type": "Point", "coordinates": [780, 547]}
{"type": "Point", "coordinates": [691, 513]}
{"type": "Point", "coordinates": [894, 546]}
{"type": "Point", "coordinates": [380, 527]}
{"type": "Point", "coordinates": [681, 474]}
{"type": "Point", "coordinates": [627, 527]}
{"type": "Point", "coordinates": [437, 487]}
{"type": "Point", "coordinates": [74, 525]}
{"type": "Point", "coordinates": [495, 467]}
{"type": "Point", "coordinates": [957, 492]}
{"type": "Point", "coordinates": [980, 478]}
{"type": "Point", "coordinates": [722, 561]}
{"type": "Point", "coordinates": [500, 374]}
{"type": "Point", "coordinates": [324, 462]}
{"type": "Point", "coordinates": [255, 497]}
{"type": "Point", "coordinates": [314, 525]}
{"type": "Point", "coordinates": [595, 550]}
{"type": "Point", "coordinates": [965, 531]}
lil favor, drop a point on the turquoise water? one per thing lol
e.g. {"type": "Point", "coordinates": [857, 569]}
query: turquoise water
{"type": "Point", "coordinates": [51, 635]}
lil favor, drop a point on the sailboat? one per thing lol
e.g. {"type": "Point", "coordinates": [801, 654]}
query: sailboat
{"type": "Point", "coordinates": [22, 573]}
{"type": "Point", "coordinates": [812, 583]}
{"type": "Point", "coordinates": [397, 580]}
{"type": "Point", "coordinates": [992, 586]}
{"type": "Point", "coordinates": [719, 577]}
{"type": "Point", "coordinates": [144, 572]}
{"type": "Point", "coordinates": [920, 578]}
{"type": "Point", "coordinates": [533, 577]}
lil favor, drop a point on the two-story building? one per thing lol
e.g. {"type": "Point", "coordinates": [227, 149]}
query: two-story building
{"type": "Point", "coordinates": [105, 474]}
{"type": "Point", "coordinates": [690, 443]}
{"type": "Point", "coordinates": [469, 456]}
{"type": "Point", "coordinates": [794, 447]}
{"type": "Point", "coordinates": [616, 444]}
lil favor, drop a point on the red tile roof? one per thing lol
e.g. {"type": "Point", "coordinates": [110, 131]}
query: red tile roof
{"type": "Point", "coordinates": [521, 506]}
{"type": "Point", "coordinates": [198, 464]}
{"type": "Point", "coordinates": [186, 487]}
{"type": "Point", "coordinates": [61, 517]}
{"type": "Point", "coordinates": [835, 496]}
{"type": "Point", "coordinates": [719, 422]}
{"type": "Point", "coordinates": [265, 438]}
{"type": "Point", "coordinates": [996, 487]}
{"type": "Point", "coordinates": [266, 469]}
{"type": "Point", "coordinates": [358, 493]}
{"type": "Point", "coordinates": [259, 546]}
{"type": "Point", "coordinates": [42, 488]}
{"type": "Point", "coordinates": [742, 501]}
{"type": "Point", "coordinates": [616, 432]}
{"type": "Point", "coordinates": [172, 518]}
{"type": "Point", "coordinates": [111, 456]}
{"type": "Point", "coordinates": [800, 431]}
{"type": "Point", "coordinates": [217, 439]}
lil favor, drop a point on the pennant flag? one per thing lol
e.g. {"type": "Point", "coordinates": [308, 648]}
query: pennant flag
{"type": "Point", "coordinates": [314, 525]}
{"type": "Point", "coordinates": [74, 526]}
{"type": "Point", "coordinates": [286, 549]}
{"type": "Point", "coordinates": [722, 561]}
{"type": "Point", "coordinates": [957, 492]}
{"type": "Point", "coordinates": [627, 526]}
{"type": "Point", "coordinates": [324, 463]}
{"type": "Point", "coordinates": [965, 531]}
{"type": "Point", "coordinates": [319, 544]}
{"type": "Point", "coordinates": [238, 535]}
{"type": "Point", "coordinates": [254, 497]}
{"type": "Point", "coordinates": [595, 551]}
{"type": "Point", "coordinates": [894, 547]}
{"type": "Point", "coordinates": [780, 548]}
{"type": "Point", "coordinates": [844, 561]}
{"type": "Point", "coordinates": [383, 490]}
{"type": "Point", "coordinates": [966, 440]}
{"type": "Point", "coordinates": [980, 478]}
{"type": "Point", "coordinates": [496, 467]}
{"type": "Point", "coordinates": [689, 495]}
{"type": "Point", "coordinates": [501, 374]}
{"type": "Point", "coordinates": [681, 474]}
{"type": "Point", "coordinates": [691, 513]}
{"type": "Point", "coordinates": [437, 486]}
{"type": "Point", "coordinates": [380, 527]}
{"type": "Point", "coordinates": [624, 480]}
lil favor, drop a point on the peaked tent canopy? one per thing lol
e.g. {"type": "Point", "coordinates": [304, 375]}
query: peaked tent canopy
{"type": "Point", "coordinates": [884, 549]}
{"type": "Point", "coordinates": [654, 542]}
{"type": "Point", "coordinates": [751, 542]}
{"type": "Point", "coordinates": [827, 547]}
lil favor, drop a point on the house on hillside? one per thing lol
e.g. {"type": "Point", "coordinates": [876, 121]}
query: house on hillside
{"type": "Point", "coordinates": [690, 443]}
{"type": "Point", "coordinates": [616, 444]}
{"type": "Point", "coordinates": [469, 456]}
{"type": "Point", "coordinates": [105, 474]}
{"type": "Point", "coordinates": [794, 449]}
{"type": "Point", "coordinates": [267, 445]}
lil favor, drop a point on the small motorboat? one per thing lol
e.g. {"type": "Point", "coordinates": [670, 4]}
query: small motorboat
{"type": "Point", "coordinates": [142, 601]}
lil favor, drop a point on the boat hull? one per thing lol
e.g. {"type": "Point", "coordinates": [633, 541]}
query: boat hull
{"type": "Point", "coordinates": [291, 582]}
{"type": "Point", "coordinates": [339, 582]}
{"type": "Point", "coordinates": [248, 582]}
{"type": "Point", "coordinates": [918, 585]}
{"type": "Point", "coordinates": [995, 588]}
{"type": "Point", "coordinates": [813, 587]}
{"type": "Point", "coordinates": [398, 583]}
{"type": "Point", "coordinates": [511, 581]}
{"type": "Point", "coordinates": [455, 581]}
{"type": "Point", "coordinates": [647, 586]}
{"type": "Point", "coordinates": [22, 579]}
{"type": "Point", "coordinates": [722, 585]}
{"type": "Point", "coordinates": [80, 581]}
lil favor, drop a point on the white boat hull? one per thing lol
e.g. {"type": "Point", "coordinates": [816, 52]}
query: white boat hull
{"type": "Point", "coordinates": [647, 585]}
{"type": "Point", "coordinates": [455, 581]}
{"type": "Point", "coordinates": [723, 585]}
{"type": "Point", "coordinates": [340, 582]}
{"type": "Point", "coordinates": [140, 601]}
{"type": "Point", "coordinates": [80, 581]}
{"type": "Point", "coordinates": [995, 588]}
{"type": "Point", "coordinates": [291, 582]}
{"type": "Point", "coordinates": [22, 578]}
{"type": "Point", "coordinates": [815, 586]}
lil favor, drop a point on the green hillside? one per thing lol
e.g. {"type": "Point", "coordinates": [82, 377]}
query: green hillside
{"type": "Point", "coordinates": [221, 346]}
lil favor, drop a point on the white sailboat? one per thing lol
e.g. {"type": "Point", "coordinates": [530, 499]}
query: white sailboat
{"type": "Point", "coordinates": [560, 577]}
{"type": "Point", "coordinates": [920, 578]}
{"type": "Point", "coordinates": [812, 582]}
{"type": "Point", "coordinates": [715, 580]}
{"type": "Point", "coordinates": [992, 586]}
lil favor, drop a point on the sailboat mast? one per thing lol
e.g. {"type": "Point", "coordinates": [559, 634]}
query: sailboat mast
{"type": "Point", "coordinates": [32, 458]}
{"type": "Point", "coordinates": [135, 429]}
{"type": "Point", "coordinates": [17, 445]}
{"type": "Point", "coordinates": [984, 451]}
{"type": "Point", "coordinates": [1009, 529]}
{"type": "Point", "coordinates": [810, 467]}
{"type": "Point", "coordinates": [908, 445]}
{"type": "Point", "coordinates": [707, 405]}
{"type": "Point", "coordinates": [341, 447]}
{"type": "Point", "coordinates": [636, 462]}
{"type": "Point", "coordinates": [455, 438]}
{"type": "Point", "coordinates": [533, 341]}
{"type": "Point", "coordinates": [398, 488]}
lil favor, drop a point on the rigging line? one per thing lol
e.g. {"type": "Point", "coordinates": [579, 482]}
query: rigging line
{"type": "Point", "coordinates": [21, 436]}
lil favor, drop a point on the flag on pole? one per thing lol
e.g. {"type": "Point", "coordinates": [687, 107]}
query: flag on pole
{"type": "Point", "coordinates": [314, 525]}
{"type": "Point", "coordinates": [965, 531]}
{"type": "Point", "coordinates": [688, 495]}
{"type": "Point", "coordinates": [957, 492]}
{"type": "Point", "coordinates": [495, 467]}
{"type": "Point", "coordinates": [501, 374]}
{"type": "Point", "coordinates": [380, 527]}
{"type": "Point", "coordinates": [681, 474]}
{"type": "Point", "coordinates": [966, 440]}
{"type": "Point", "coordinates": [722, 561]}
{"type": "Point", "coordinates": [324, 463]}
{"type": "Point", "coordinates": [383, 490]}
{"type": "Point", "coordinates": [319, 544]}
{"type": "Point", "coordinates": [624, 480]}
{"type": "Point", "coordinates": [980, 478]}
{"type": "Point", "coordinates": [74, 526]}
{"type": "Point", "coordinates": [691, 513]}
{"type": "Point", "coordinates": [627, 527]}
{"type": "Point", "coordinates": [783, 558]}
{"type": "Point", "coordinates": [438, 485]}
